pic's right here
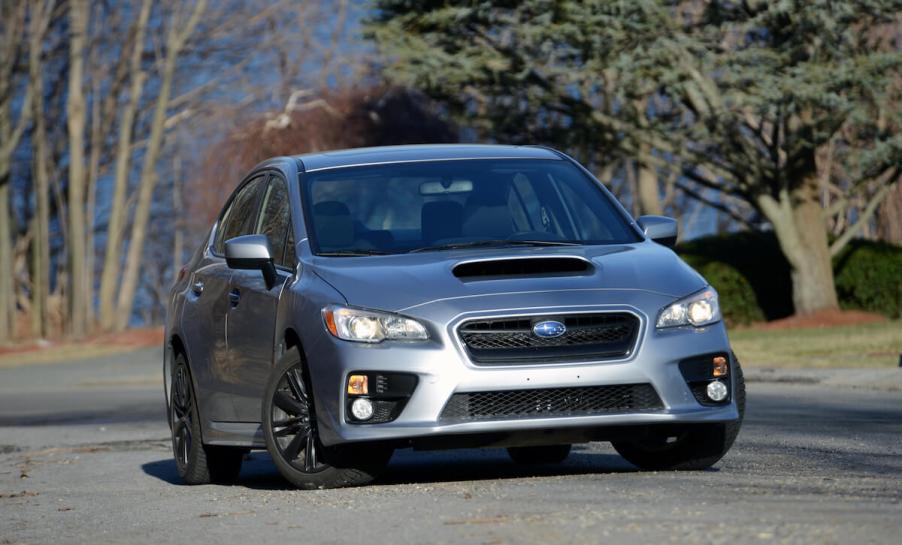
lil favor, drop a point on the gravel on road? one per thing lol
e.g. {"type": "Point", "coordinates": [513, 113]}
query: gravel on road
{"type": "Point", "coordinates": [83, 461]}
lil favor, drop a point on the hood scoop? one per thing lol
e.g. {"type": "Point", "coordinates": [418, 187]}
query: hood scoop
{"type": "Point", "coordinates": [492, 269]}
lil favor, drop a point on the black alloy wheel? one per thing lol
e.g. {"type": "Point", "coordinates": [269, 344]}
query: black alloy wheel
{"type": "Point", "coordinates": [291, 432]}
{"type": "Point", "coordinates": [181, 410]}
{"type": "Point", "coordinates": [195, 462]}
{"type": "Point", "coordinates": [294, 423]}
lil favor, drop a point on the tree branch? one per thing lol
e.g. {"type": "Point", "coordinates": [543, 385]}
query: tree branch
{"type": "Point", "coordinates": [714, 204]}
{"type": "Point", "coordinates": [863, 218]}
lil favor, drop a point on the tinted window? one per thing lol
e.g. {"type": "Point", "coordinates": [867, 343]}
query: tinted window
{"type": "Point", "coordinates": [275, 218]}
{"type": "Point", "coordinates": [290, 258]}
{"type": "Point", "coordinates": [241, 216]}
{"type": "Point", "coordinates": [415, 206]}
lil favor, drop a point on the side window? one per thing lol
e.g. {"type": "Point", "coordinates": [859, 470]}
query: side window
{"type": "Point", "coordinates": [275, 218]}
{"type": "Point", "coordinates": [289, 258]}
{"type": "Point", "coordinates": [241, 217]}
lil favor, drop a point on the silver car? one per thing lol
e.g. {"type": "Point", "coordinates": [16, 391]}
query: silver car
{"type": "Point", "coordinates": [346, 304]}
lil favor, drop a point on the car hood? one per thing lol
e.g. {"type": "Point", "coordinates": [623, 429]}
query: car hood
{"type": "Point", "coordinates": [399, 282]}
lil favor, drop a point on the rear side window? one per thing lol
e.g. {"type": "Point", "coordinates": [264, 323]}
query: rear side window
{"type": "Point", "coordinates": [241, 216]}
{"type": "Point", "coordinates": [275, 219]}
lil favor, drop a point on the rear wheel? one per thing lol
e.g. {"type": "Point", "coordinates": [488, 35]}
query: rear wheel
{"type": "Point", "coordinates": [292, 437]}
{"type": "Point", "coordinates": [694, 448]}
{"type": "Point", "coordinates": [195, 462]}
{"type": "Point", "coordinates": [550, 454]}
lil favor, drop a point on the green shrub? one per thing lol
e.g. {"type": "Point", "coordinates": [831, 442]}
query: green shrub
{"type": "Point", "coordinates": [753, 278]}
{"type": "Point", "coordinates": [869, 277]}
{"type": "Point", "coordinates": [757, 258]}
{"type": "Point", "coordinates": [737, 298]}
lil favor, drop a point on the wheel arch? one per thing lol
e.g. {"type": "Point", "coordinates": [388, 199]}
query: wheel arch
{"type": "Point", "coordinates": [292, 340]}
{"type": "Point", "coordinates": [173, 347]}
{"type": "Point", "coordinates": [176, 346]}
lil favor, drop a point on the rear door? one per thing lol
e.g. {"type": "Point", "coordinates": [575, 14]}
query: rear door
{"type": "Point", "coordinates": [252, 314]}
{"type": "Point", "coordinates": [207, 307]}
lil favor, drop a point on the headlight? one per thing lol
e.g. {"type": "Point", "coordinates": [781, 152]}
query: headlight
{"type": "Point", "coordinates": [366, 326]}
{"type": "Point", "coordinates": [699, 309]}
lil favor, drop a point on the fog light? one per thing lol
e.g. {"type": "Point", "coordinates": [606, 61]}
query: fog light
{"type": "Point", "coordinates": [720, 366]}
{"type": "Point", "coordinates": [362, 409]}
{"type": "Point", "coordinates": [717, 391]}
{"type": "Point", "coordinates": [358, 385]}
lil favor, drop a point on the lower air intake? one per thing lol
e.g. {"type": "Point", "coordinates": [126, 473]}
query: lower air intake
{"type": "Point", "coordinates": [552, 402]}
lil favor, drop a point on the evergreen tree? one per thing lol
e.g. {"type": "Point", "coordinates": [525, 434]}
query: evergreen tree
{"type": "Point", "coordinates": [738, 97]}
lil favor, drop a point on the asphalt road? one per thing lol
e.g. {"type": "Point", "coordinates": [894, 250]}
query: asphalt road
{"type": "Point", "coordinates": [84, 458]}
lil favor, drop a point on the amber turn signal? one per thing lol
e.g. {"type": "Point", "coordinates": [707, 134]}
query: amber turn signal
{"type": "Point", "coordinates": [720, 366]}
{"type": "Point", "coordinates": [358, 385]}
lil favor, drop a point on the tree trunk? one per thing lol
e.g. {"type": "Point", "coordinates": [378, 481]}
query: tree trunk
{"type": "Point", "coordinates": [109, 279]}
{"type": "Point", "coordinates": [799, 225]}
{"type": "Point", "coordinates": [7, 294]}
{"type": "Point", "coordinates": [75, 113]}
{"type": "Point", "coordinates": [11, 39]}
{"type": "Point", "coordinates": [40, 275]}
{"type": "Point", "coordinates": [649, 196]}
{"type": "Point", "coordinates": [175, 41]}
{"type": "Point", "coordinates": [889, 216]}
{"type": "Point", "coordinates": [177, 236]}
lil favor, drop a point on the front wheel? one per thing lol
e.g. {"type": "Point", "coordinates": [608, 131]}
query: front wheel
{"type": "Point", "coordinates": [292, 437]}
{"type": "Point", "coordinates": [694, 448]}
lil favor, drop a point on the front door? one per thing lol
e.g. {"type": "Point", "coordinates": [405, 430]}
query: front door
{"type": "Point", "coordinates": [251, 322]}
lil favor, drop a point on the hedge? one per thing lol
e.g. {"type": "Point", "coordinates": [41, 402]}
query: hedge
{"type": "Point", "coordinates": [869, 277]}
{"type": "Point", "coordinates": [753, 280]}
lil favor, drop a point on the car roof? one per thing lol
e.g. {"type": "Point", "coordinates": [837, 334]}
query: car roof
{"type": "Point", "coordinates": [427, 152]}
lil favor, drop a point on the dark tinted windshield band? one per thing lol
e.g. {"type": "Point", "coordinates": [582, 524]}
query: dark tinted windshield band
{"type": "Point", "coordinates": [433, 205]}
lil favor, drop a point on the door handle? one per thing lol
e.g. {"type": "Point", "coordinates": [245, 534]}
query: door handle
{"type": "Point", "coordinates": [235, 297]}
{"type": "Point", "coordinates": [198, 287]}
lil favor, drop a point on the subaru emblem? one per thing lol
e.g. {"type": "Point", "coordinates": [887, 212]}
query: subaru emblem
{"type": "Point", "coordinates": [549, 329]}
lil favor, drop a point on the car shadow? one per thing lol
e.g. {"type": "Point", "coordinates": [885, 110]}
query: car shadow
{"type": "Point", "coordinates": [423, 467]}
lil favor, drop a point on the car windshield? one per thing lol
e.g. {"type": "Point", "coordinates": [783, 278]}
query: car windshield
{"type": "Point", "coordinates": [433, 206]}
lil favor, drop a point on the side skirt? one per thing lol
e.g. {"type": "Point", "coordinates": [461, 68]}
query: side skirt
{"type": "Point", "coordinates": [234, 434]}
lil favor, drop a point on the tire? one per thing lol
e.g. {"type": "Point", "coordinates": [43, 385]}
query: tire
{"type": "Point", "coordinates": [698, 447]}
{"type": "Point", "coordinates": [195, 462]}
{"type": "Point", "coordinates": [550, 454]}
{"type": "Point", "coordinates": [290, 431]}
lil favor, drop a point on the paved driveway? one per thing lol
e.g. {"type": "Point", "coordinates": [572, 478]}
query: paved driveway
{"type": "Point", "coordinates": [84, 458]}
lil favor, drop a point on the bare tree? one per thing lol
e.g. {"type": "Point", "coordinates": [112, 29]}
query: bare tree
{"type": "Point", "coordinates": [75, 116]}
{"type": "Point", "coordinates": [176, 38]}
{"type": "Point", "coordinates": [12, 31]}
{"type": "Point", "coordinates": [39, 21]}
{"type": "Point", "coordinates": [109, 281]}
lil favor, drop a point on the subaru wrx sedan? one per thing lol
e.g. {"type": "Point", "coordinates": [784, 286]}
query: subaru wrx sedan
{"type": "Point", "coordinates": [350, 303]}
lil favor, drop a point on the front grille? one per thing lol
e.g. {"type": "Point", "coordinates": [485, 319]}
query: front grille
{"type": "Point", "coordinates": [588, 336]}
{"type": "Point", "coordinates": [551, 402]}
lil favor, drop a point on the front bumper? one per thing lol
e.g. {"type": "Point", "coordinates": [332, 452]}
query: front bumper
{"type": "Point", "coordinates": [443, 369]}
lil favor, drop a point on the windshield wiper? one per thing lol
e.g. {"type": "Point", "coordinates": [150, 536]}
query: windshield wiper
{"type": "Point", "coordinates": [500, 243]}
{"type": "Point", "coordinates": [352, 253]}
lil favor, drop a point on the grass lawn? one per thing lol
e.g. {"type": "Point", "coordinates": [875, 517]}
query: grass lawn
{"type": "Point", "coordinates": [62, 353]}
{"type": "Point", "coordinates": [866, 345]}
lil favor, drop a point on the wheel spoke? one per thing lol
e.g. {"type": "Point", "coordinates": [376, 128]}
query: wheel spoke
{"type": "Point", "coordinates": [289, 405]}
{"type": "Point", "coordinates": [294, 447]}
{"type": "Point", "coordinates": [296, 383]}
{"type": "Point", "coordinates": [310, 452]}
{"type": "Point", "coordinates": [289, 422]}
{"type": "Point", "coordinates": [288, 430]}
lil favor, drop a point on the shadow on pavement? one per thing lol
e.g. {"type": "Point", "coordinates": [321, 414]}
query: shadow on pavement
{"type": "Point", "coordinates": [410, 467]}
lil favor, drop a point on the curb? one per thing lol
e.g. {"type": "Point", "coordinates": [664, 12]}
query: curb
{"type": "Point", "coordinates": [883, 379]}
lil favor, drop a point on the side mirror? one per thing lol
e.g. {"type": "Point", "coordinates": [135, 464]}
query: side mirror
{"type": "Point", "coordinates": [251, 252]}
{"type": "Point", "coordinates": [660, 229]}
